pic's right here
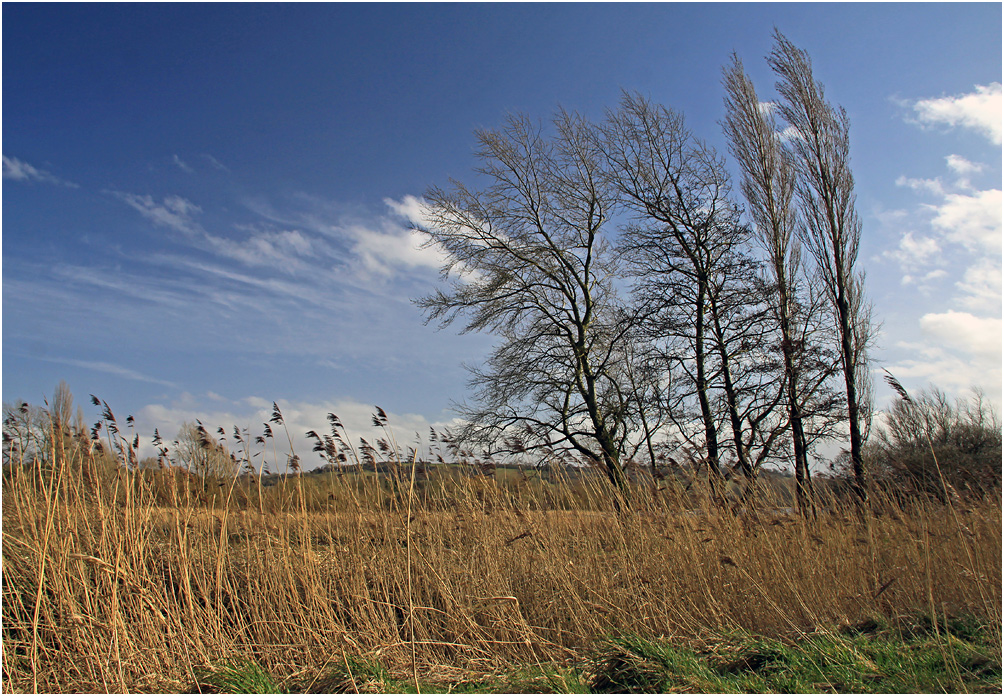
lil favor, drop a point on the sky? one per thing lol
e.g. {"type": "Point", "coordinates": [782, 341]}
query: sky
{"type": "Point", "coordinates": [206, 208]}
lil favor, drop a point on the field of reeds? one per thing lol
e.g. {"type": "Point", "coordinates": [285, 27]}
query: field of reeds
{"type": "Point", "coordinates": [119, 579]}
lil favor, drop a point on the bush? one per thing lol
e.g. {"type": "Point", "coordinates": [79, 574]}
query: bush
{"type": "Point", "coordinates": [964, 438]}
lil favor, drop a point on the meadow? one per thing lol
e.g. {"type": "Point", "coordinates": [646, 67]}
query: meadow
{"type": "Point", "coordinates": [444, 578]}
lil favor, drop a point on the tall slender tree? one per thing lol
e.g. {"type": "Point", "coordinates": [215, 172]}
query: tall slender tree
{"type": "Point", "coordinates": [768, 185]}
{"type": "Point", "coordinates": [819, 150]}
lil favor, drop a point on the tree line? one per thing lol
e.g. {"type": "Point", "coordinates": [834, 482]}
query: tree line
{"type": "Point", "coordinates": [643, 310]}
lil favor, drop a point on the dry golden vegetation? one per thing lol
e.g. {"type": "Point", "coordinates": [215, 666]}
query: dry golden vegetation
{"type": "Point", "coordinates": [128, 580]}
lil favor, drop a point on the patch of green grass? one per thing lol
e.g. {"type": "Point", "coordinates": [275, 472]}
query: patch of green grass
{"type": "Point", "coordinates": [357, 675]}
{"type": "Point", "coordinates": [869, 661]}
{"type": "Point", "coordinates": [632, 664]}
{"type": "Point", "coordinates": [237, 677]}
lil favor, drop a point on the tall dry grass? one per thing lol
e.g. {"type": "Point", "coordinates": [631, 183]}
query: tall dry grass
{"type": "Point", "coordinates": [115, 585]}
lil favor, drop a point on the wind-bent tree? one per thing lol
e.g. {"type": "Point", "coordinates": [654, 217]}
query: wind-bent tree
{"type": "Point", "coordinates": [527, 262]}
{"type": "Point", "coordinates": [768, 185]}
{"type": "Point", "coordinates": [742, 329]}
{"type": "Point", "coordinates": [830, 229]}
{"type": "Point", "coordinates": [686, 234]}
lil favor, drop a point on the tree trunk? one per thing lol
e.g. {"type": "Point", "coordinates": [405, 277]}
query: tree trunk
{"type": "Point", "coordinates": [853, 410]}
{"type": "Point", "coordinates": [710, 433]}
{"type": "Point", "coordinates": [730, 397]}
{"type": "Point", "coordinates": [803, 484]}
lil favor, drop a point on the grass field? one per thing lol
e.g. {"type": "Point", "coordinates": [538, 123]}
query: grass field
{"type": "Point", "coordinates": [132, 582]}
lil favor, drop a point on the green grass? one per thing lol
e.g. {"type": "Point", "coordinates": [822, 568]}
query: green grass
{"type": "Point", "coordinates": [237, 677]}
{"type": "Point", "coordinates": [913, 658]}
{"type": "Point", "coordinates": [879, 656]}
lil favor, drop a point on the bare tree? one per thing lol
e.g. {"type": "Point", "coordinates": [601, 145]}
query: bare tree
{"type": "Point", "coordinates": [197, 451]}
{"type": "Point", "coordinates": [768, 185]}
{"type": "Point", "coordinates": [686, 235]}
{"type": "Point", "coordinates": [527, 262]}
{"type": "Point", "coordinates": [830, 228]}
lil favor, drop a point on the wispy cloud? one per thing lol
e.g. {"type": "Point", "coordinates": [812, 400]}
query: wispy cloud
{"type": "Point", "coordinates": [215, 162]}
{"type": "Point", "coordinates": [310, 283]}
{"type": "Point", "coordinates": [109, 368]}
{"type": "Point", "coordinates": [287, 250]}
{"type": "Point", "coordinates": [381, 247]}
{"type": "Point", "coordinates": [174, 212]}
{"type": "Point", "coordinates": [182, 165]}
{"type": "Point", "coordinates": [979, 110]}
{"type": "Point", "coordinates": [313, 238]}
{"type": "Point", "coordinates": [17, 170]}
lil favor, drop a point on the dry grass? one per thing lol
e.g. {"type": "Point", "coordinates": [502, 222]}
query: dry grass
{"type": "Point", "coordinates": [107, 589]}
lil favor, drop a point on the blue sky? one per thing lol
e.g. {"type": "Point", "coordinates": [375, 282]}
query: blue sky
{"type": "Point", "coordinates": [206, 207]}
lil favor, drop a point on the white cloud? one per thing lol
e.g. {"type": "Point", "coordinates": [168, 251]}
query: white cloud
{"type": "Point", "coordinates": [962, 166]}
{"type": "Point", "coordinates": [788, 134]}
{"type": "Point", "coordinates": [955, 235]}
{"type": "Point", "coordinates": [978, 336]}
{"type": "Point", "coordinates": [182, 165]}
{"type": "Point", "coordinates": [971, 220]}
{"type": "Point", "coordinates": [767, 108]}
{"type": "Point", "coordinates": [17, 170]}
{"type": "Point", "coordinates": [383, 247]}
{"type": "Point", "coordinates": [924, 281]}
{"type": "Point", "coordinates": [981, 286]}
{"type": "Point", "coordinates": [963, 215]}
{"type": "Point", "coordinates": [174, 211]}
{"type": "Point", "coordinates": [915, 252]}
{"type": "Point", "coordinates": [383, 251]}
{"type": "Point", "coordinates": [979, 110]}
{"type": "Point", "coordinates": [411, 208]}
{"type": "Point", "coordinates": [936, 366]}
{"type": "Point", "coordinates": [961, 351]}
{"type": "Point", "coordinates": [934, 186]}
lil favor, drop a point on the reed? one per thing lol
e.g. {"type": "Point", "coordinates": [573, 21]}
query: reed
{"type": "Point", "coordinates": [118, 579]}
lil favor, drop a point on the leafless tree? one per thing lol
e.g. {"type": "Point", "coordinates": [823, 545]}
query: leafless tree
{"type": "Point", "coordinates": [197, 450]}
{"type": "Point", "coordinates": [527, 262]}
{"type": "Point", "coordinates": [683, 251]}
{"type": "Point", "coordinates": [768, 185]}
{"type": "Point", "coordinates": [818, 147]}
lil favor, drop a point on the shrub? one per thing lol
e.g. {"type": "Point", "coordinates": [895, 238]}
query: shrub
{"type": "Point", "coordinates": [964, 436]}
